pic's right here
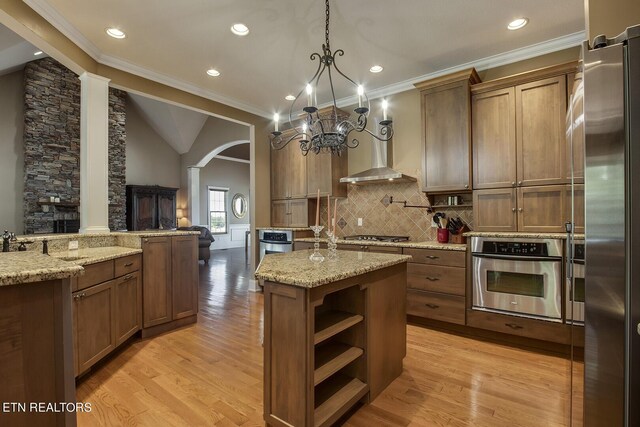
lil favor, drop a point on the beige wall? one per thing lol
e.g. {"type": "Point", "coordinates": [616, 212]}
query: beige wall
{"type": "Point", "coordinates": [11, 152]}
{"type": "Point", "coordinates": [224, 174]}
{"type": "Point", "coordinates": [150, 159]}
{"type": "Point", "coordinates": [610, 17]}
{"type": "Point", "coordinates": [405, 110]}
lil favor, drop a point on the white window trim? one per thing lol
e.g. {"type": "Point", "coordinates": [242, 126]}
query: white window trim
{"type": "Point", "coordinates": [226, 208]}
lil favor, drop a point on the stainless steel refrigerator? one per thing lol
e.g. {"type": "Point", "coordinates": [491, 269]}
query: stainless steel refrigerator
{"type": "Point", "coordinates": [612, 196]}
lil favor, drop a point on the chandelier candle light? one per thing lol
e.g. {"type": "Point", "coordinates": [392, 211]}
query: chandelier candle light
{"type": "Point", "coordinates": [320, 132]}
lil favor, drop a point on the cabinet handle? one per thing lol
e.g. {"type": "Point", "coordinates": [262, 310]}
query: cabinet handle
{"type": "Point", "coordinates": [129, 276]}
{"type": "Point", "coordinates": [77, 297]}
{"type": "Point", "coordinates": [519, 182]}
{"type": "Point", "coordinates": [519, 209]}
{"type": "Point", "coordinates": [129, 264]}
{"type": "Point", "coordinates": [513, 209]}
{"type": "Point", "coordinates": [432, 256]}
{"type": "Point", "coordinates": [146, 240]}
{"type": "Point", "coordinates": [432, 279]}
{"type": "Point", "coordinates": [434, 306]}
{"type": "Point", "coordinates": [513, 326]}
{"type": "Point", "coordinates": [466, 186]}
{"type": "Point", "coordinates": [513, 183]}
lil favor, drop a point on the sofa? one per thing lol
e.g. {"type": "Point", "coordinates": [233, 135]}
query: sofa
{"type": "Point", "coordinates": [204, 241]}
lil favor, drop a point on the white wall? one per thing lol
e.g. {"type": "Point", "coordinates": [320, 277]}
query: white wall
{"type": "Point", "coordinates": [150, 159]}
{"type": "Point", "coordinates": [12, 152]}
{"type": "Point", "coordinates": [235, 177]}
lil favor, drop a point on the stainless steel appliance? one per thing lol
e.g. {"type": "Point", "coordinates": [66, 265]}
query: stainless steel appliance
{"type": "Point", "coordinates": [275, 241]}
{"type": "Point", "coordinates": [612, 194]}
{"type": "Point", "coordinates": [377, 238]}
{"type": "Point", "coordinates": [520, 277]}
{"type": "Point", "coordinates": [575, 284]}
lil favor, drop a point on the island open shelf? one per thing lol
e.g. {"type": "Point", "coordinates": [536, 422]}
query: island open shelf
{"type": "Point", "coordinates": [332, 345]}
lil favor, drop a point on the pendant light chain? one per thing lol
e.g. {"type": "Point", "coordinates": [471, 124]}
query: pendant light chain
{"type": "Point", "coordinates": [326, 24]}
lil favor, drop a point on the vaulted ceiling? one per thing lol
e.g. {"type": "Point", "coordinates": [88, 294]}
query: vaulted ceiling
{"type": "Point", "coordinates": [175, 42]}
{"type": "Point", "coordinates": [14, 51]}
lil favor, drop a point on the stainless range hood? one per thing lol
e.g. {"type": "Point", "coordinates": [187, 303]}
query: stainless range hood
{"type": "Point", "coordinates": [379, 172]}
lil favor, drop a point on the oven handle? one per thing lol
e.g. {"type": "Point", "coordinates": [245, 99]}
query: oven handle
{"type": "Point", "coordinates": [517, 258]}
{"type": "Point", "coordinates": [275, 242]}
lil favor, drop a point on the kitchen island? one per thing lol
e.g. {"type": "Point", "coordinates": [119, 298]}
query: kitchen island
{"type": "Point", "coordinates": [334, 333]}
{"type": "Point", "coordinates": [36, 350]}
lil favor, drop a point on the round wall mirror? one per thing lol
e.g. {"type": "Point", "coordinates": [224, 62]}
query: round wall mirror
{"type": "Point", "coordinates": [239, 205]}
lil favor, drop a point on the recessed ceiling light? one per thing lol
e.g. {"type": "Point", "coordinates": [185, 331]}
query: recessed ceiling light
{"type": "Point", "coordinates": [376, 68]}
{"type": "Point", "coordinates": [116, 33]}
{"type": "Point", "coordinates": [290, 98]}
{"type": "Point", "coordinates": [37, 53]}
{"type": "Point", "coordinates": [239, 29]}
{"type": "Point", "coordinates": [213, 72]}
{"type": "Point", "coordinates": [516, 24]}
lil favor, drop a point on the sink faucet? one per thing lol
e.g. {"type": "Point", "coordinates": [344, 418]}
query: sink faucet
{"type": "Point", "coordinates": [45, 247]}
{"type": "Point", "coordinates": [6, 238]}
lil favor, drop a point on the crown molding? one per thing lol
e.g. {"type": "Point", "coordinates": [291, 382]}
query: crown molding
{"type": "Point", "coordinates": [516, 55]}
{"type": "Point", "coordinates": [50, 14]}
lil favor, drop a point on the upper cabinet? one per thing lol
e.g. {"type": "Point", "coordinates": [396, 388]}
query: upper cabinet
{"type": "Point", "coordinates": [518, 129]}
{"type": "Point", "coordinates": [446, 132]}
{"type": "Point", "coordinates": [324, 172]}
{"type": "Point", "coordinates": [288, 172]}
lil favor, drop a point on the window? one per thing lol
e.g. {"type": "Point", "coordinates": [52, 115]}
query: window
{"type": "Point", "coordinates": [218, 210]}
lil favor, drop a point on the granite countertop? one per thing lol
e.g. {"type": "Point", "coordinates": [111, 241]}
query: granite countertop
{"type": "Point", "coordinates": [29, 267]}
{"type": "Point", "coordinates": [295, 268]}
{"type": "Point", "coordinates": [142, 233]}
{"type": "Point", "coordinates": [406, 244]}
{"type": "Point", "coordinates": [87, 256]}
{"type": "Point", "coordinates": [518, 235]}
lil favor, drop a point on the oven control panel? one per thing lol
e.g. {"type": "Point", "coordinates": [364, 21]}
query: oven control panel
{"type": "Point", "coordinates": [515, 248]}
{"type": "Point", "coordinates": [275, 236]}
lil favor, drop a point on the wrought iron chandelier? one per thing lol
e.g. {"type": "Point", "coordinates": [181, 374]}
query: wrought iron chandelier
{"type": "Point", "coordinates": [328, 130]}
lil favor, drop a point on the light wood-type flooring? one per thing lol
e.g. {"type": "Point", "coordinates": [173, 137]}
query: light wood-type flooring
{"type": "Point", "coordinates": [211, 373]}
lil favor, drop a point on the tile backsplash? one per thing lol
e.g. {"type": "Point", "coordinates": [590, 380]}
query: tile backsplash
{"type": "Point", "coordinates": [371, 203]}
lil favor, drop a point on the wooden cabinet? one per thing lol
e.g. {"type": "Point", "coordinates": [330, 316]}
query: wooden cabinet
{"type": "Point", "coordinates": [106, 314]}
{"type": "Point", "coordinates": [446, 132]}
{"type": "Point", "coordinates": [541, 108]}
{"type": "Point", "coordinates": [184, 275]}
{"type": "Point", "coordinates": [324, 172]}
{"type": "Point", "coordinates": [128, 303]}
{"type": "Point", "coordinates": [528, 209]}
{"type": "Point", "coordinates": [288, 171]}
{"type": "Point", "coordinates": [519, 135]}
{"type": "Point", "coordinates": [170, 280]}
{"type": "Point", "coordinates": [436, 284]}
{"type": "Point", "coordinates": [156, 274]}
{"type": "Point", "coordinates": [290, 213]}
{"type": "Point", "coordinates": [369, 248]}
{"type": "Point", "coordinates": [494, 139]}
{"type": "Point", "coordinates": [577, 206]}
{"type": "Point", "coordinates": [94, 313]}
{"type": "Point", "coordinates": [151, 207]}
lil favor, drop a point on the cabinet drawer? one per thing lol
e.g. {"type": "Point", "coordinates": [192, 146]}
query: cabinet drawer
{"type": "Point", "coordinates": [522, 326]}
{"type": "Point", "coordinates": [127, 264]}
{"type": "Point", "coordinates": [96, 273]}
{"type": "Point", "coordinates": [437, 257]}
{"type": "Point", "coordinates": [446, 308]}
{"type": "Point", "coordinates": [436, 278]}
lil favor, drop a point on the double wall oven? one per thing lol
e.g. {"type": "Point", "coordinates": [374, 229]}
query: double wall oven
{"type": "Point", "coordinates": [518, 277]}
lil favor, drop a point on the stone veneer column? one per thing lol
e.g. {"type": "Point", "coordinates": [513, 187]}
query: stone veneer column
{"type": "Point", "coordinates": [94, 154]}
{"type": "Point", "coordinates": [193, 195]}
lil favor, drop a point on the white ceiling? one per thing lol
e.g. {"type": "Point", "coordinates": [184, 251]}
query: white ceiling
{"type": "Point", "coordinates": [14, 51]}
{"type": "Point", "coordinates": [176, 125]}
{"type": "Point", "coordinates": [175, 42]}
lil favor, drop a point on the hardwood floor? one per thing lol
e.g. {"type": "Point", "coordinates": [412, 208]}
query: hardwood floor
{"type": "Point", "coordinates": [210, 373]}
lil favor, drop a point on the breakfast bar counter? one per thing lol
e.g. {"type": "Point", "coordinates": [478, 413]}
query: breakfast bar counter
{"type": "Point", "coordinates": [334, 333]}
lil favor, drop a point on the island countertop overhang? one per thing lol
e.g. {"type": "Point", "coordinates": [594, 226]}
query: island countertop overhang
{"type": "Point", "coordinates": [295, 268]}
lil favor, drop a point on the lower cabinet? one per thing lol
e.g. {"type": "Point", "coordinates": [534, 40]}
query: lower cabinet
{"type": "Point", "coordinates": [104, 316]}
{"type": "Point", "coordinates": [437, 306]}
{"type": "Point", "coordinates": [170, 279]}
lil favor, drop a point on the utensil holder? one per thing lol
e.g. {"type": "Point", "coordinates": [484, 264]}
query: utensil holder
{"type": "Point", "coordinates": [443, 235]}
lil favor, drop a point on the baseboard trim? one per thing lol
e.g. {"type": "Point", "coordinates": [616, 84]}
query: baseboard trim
{"type": "Point", "coordinates": [169, 326]}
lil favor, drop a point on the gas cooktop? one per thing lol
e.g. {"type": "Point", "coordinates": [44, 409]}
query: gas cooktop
{"type": "Point", "coordinates": [375, 238]}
